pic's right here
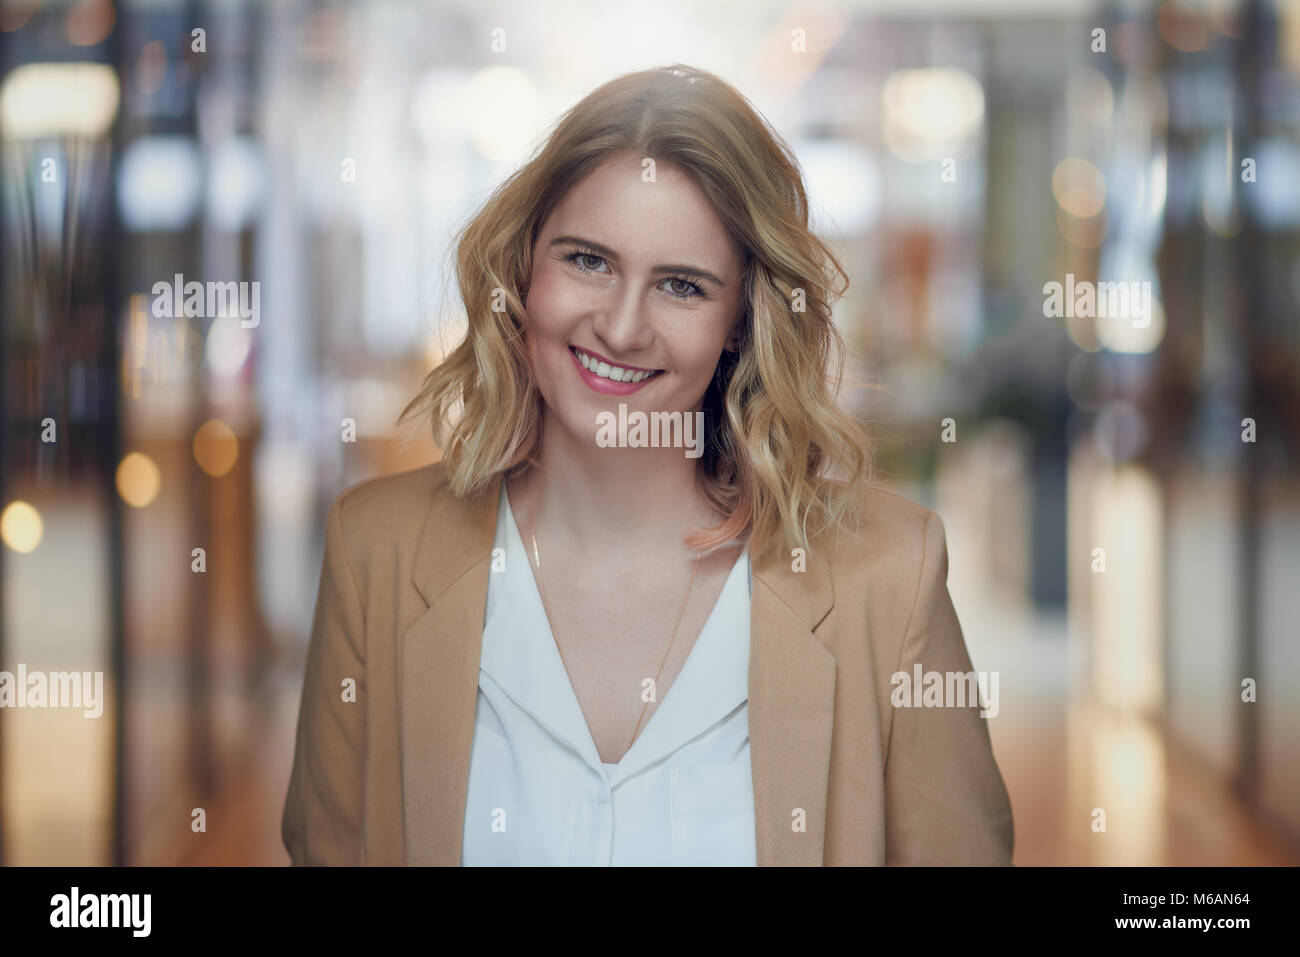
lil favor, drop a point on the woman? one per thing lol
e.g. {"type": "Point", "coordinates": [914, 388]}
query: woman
{"type": "Point", "coordinates": [646, 610]}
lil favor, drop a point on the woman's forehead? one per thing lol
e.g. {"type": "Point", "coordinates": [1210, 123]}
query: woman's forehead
{"type": "Point", "coordinates": [664, 220]}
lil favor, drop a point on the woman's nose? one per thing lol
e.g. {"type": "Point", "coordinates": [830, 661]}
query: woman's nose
{"type": "Point", "coordinates": [623, 322]}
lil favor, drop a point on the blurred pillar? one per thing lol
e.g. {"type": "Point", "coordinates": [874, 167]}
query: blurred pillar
{"type": "Point", "coordinates": [1251, 298]}
{"type": "Point", "coordinates": [113, 310]}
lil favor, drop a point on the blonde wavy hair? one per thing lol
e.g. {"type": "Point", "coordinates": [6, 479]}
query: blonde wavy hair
{"type": "Point", "coordinates": [779, 452]}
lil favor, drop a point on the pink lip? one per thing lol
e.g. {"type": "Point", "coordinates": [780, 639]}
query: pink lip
{"type": "Point", "coordinates": [608, 386]}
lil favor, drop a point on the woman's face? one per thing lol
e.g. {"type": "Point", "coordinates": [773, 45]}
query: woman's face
{"type": "Point", "coordinates": [641, 279]}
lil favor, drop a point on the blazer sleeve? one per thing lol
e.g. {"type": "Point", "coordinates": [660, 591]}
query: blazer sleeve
{"type": "Point", "coordinates": [946, 802]}
{"type": "Point", "coordinates": [323, 808]}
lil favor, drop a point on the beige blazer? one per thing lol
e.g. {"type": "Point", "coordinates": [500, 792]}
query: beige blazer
{"type": "Point", "coordinates": [382, 779]}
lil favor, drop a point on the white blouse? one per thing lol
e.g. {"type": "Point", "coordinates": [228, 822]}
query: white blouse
{"type": "Point", "coordinates": [539, 793]}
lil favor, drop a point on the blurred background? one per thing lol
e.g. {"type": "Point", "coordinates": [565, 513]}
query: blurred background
{"type": "Point", "coordinates": [1122, 499]}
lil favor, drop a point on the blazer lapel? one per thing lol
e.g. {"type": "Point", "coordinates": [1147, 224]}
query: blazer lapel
{"type": "Point", "coordinates": [791, 706]}
{"type": "Point", "coordinates": [791, 689]}
{"type": "Point", "coordinates": [438, 668]}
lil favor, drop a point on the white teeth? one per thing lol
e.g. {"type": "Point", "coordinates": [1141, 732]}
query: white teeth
{"type": "Point", "coordinates": [606, 371]}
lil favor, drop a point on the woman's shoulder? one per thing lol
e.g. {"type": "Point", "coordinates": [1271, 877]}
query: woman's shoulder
{"type": "Point", "coordinates": [884, 536]}
{"type": "Point", "coordinates": [389, 507]}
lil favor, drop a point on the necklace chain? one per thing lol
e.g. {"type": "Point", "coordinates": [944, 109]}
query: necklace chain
{"type": "Point", "coordinates": [532, 532]}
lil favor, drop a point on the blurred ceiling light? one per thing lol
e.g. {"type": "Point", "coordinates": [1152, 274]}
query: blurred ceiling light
{"type": "Point", "coordinates": [236, 176]}
{"type": "Point", "coordinates": [1182, 28]}
{"type": "Point", "coordinates": [138, 479]}
{"type": "Point", "coordinates": [504, 120]}
{"type": "Point", "coordinates": [1119, 334]}
{"type": "Point", "coordinates": [151, 68]}
{"type": "Point", "coordinates": [20, 527]}
{"type": "Point", "coordinates": [1219, 180]}
{"type": "Point", "coordinates": [1156, 186]}
{"type": "Point", "coordinates": [1079, 187]}
{"type": "Point", "coordinates": [57, 99]}
{"type": "Point", "coordinates": [227, 346]}
{"type": "Point", "coordinates": [439, 108]}
{"type": "Point", "coordinates": [843, 183]}
{"type": "Point", "coordinates": [930, 113]}
{"type": "Point", "coordinates": [159, 183]}
{"type": "Point", "coordinates": [1090, 95]}
{"type": "Point", "coordinates": [89, 22]}
{"type": "Point", "coordinates": [216, 448]}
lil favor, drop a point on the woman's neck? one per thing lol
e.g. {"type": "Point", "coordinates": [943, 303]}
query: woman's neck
{"type": "Point", "coordinates": [620, 498]}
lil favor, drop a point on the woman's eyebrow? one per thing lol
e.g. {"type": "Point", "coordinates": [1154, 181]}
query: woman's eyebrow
{"type": "Point", "coordinates": [610, 254]}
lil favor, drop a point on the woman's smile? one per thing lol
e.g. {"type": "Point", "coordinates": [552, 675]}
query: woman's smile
{"type": "Point", "coordinates": [601, 375]}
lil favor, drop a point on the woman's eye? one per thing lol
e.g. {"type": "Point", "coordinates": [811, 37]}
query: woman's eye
{"type": "Point", "coordinates": [580, 260]}
{"type": "Point", "coordinates": [683, 289]}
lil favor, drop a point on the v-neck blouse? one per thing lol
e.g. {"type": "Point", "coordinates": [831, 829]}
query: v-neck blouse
{"type": "Point", "coordinates": [538, 792]}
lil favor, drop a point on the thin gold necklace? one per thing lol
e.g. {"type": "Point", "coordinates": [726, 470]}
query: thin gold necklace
{"type": "Point", "coordinates": [532, 532]}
